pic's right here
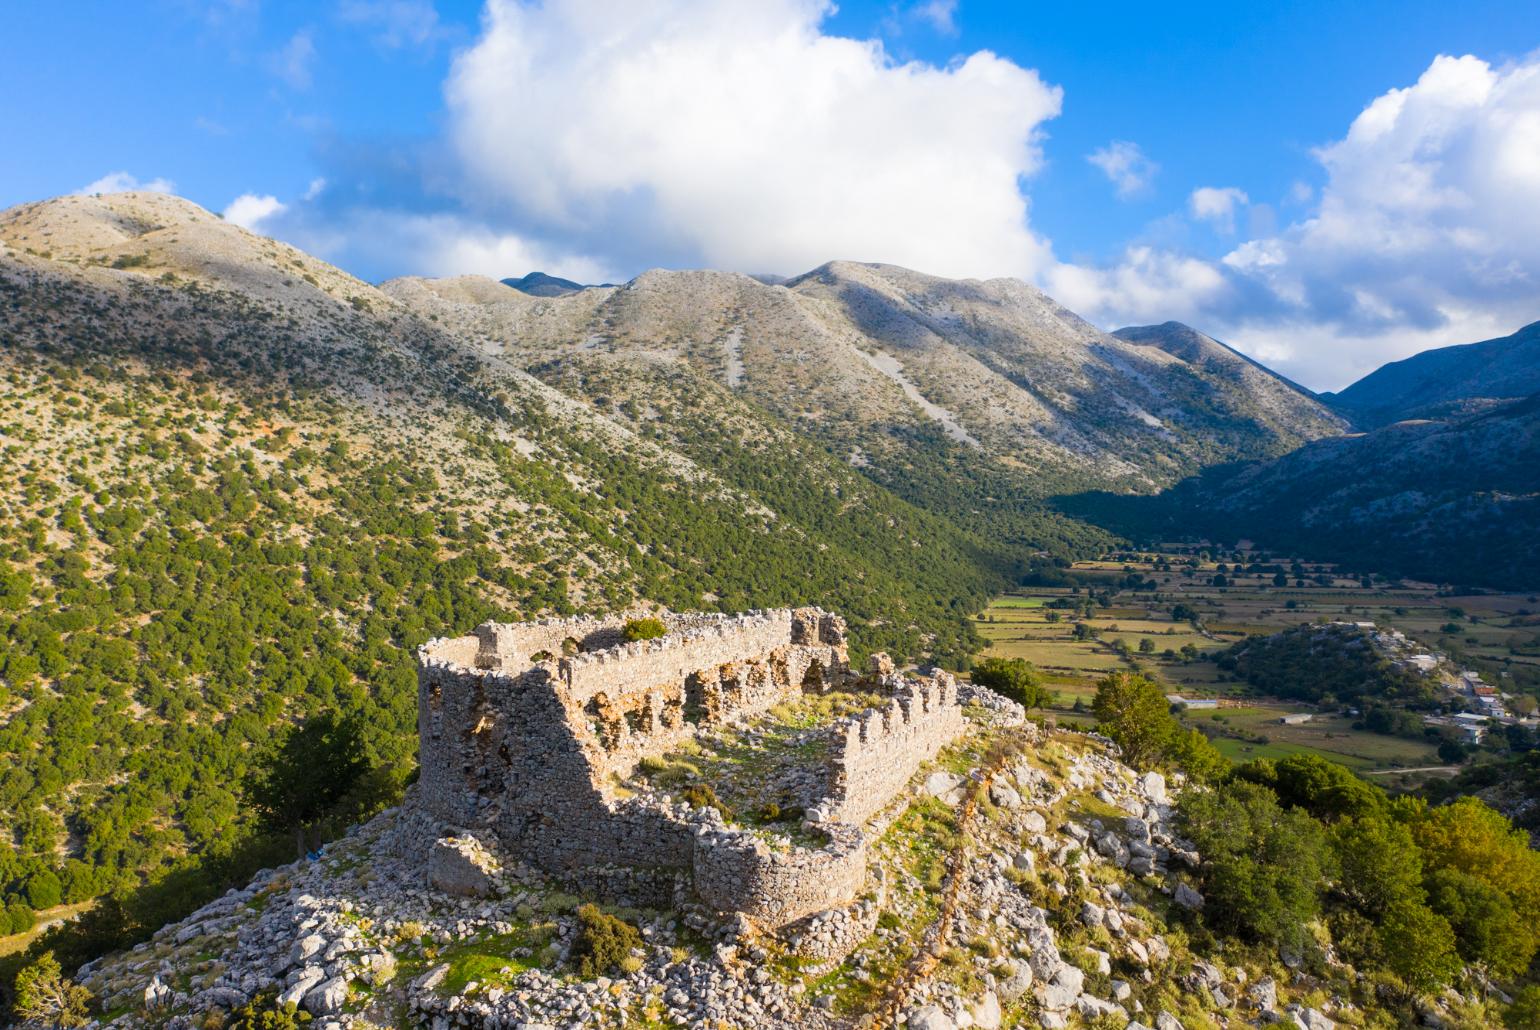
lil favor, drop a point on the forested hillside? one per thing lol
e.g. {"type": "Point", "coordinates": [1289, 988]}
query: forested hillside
{"type": "Point", "coordinates": [233, 499]}
{"type": "Point", "coordinates": [240, 487]}
{"type": "Point", "coordinates": [1454, 501]}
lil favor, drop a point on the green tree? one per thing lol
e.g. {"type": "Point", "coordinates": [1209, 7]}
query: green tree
{"type": "Point", "coordinates": [1264, 866]}
{"type": "Point", "coordinates": [314, 766]}
{"type": "Point", "coordinates": [1524, 1013]}
{"type": "Point", "coordinates": [1378, 864]}
{"type": "Point", "coordinates": [1015, 678]}
{"type": "Point", "coordinates": [42, 993]}
{"type": "Point", "coordinates": [44, 890]}
{"type": "Point", "coordinates": [17, 918]}
{"type": "Point", "coordinates": [1193, 753]}
{"type": "Point", "coordinates": [1134, 712]}
{"type": "Point", "coordinates": [1325, 789]}
{"type": "Point", "coordinates": [1486, 926]}
{"type": "Point", "coordinates": [1501, 924]}
{"type": "Point", "coordinates": [1418, 946]}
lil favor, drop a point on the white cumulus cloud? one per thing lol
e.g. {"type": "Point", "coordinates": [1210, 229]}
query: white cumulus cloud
{"type": "Point", "coordinates": [123, 182]}
{"type": "Point", "coordinates": [1147, 285]}
{"type": "Point", "coordinates": [1125, 166]}
{"type": "Point", "coordinates": [1217, 204]}
{"type": "Point", "coordinates": [1425, 232]}
{"type": "Point", "coordinates": [739, 135]}
{"type": "Point", "coordinates": [249, 210]}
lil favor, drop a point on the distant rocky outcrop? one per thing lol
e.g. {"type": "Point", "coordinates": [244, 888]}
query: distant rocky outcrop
{"type": "Point", "coordinates": [1203, 351]}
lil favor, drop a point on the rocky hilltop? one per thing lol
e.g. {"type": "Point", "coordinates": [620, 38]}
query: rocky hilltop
{"type": "Point", "coordinates": [1030, 878]}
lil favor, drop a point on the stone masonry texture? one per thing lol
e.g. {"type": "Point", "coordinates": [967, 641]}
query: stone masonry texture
{"type": "Point", "coordinates": [526, 731]}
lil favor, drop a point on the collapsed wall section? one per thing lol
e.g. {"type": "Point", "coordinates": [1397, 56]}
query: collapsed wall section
{"type": "Point", "coordinates": [874, 753]}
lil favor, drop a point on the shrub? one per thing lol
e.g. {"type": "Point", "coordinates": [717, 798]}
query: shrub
{"type": "Point", "coordinates": [42, 993]}
{"type": "Point", "coordinates": [264, 1013]}
{"type": "Point", "coordinates": [18, 918]}
{"type": "Point", "coordinates": [604, 942]}
{"type": "Point", "coordinates": [1014, 678]}
{"type": "Point", "coordinates": [700, 795]}
{"type": "Point", "coordinates": [643, 629]}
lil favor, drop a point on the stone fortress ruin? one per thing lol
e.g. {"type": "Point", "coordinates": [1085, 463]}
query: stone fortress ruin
{"type": "Point", "coordinates": [600, 760]}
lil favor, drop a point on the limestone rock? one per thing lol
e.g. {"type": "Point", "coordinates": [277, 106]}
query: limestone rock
{"type": "Point", "coordinates": [986, 1012]}
{"type": "Point", "coordinates": [1016, 983]}
{"type": "Point", "coordinates": [328, 997]}
{"type": "Point", "coordinates": [931, 1017]}
{"type": "Point", "coordinates": [1004, 795]}
{"type": "Point", "coordinates": [945, 786]}
{"type": "Point", "coordinates": [1187, 897]}
{"type": "Point", "coordinates": [461, 865]}
{"type": "Point", "coordinates": [1311, 1019]}
{"type": "Point", "coordinates": [156, 994]}
{"type": "Point", "coordinates": [296, 991]}
{"type": "Point", "coordinates": [307, 948]}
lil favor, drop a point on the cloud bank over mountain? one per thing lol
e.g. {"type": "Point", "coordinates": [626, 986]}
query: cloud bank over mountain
{"type": "Point", "coordinates": [594, 139]}
{"type": "Point", "coordinates": [1427, 232]}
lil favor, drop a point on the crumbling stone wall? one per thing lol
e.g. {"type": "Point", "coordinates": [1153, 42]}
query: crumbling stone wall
{"type": "Point", "coordinates": [526, 730]}
{"type": "Point", "coordinates": [875, 752]}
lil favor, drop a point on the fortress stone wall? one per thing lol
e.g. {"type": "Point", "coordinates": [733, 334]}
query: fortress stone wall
{"type": "Point", "coordinates": [526, 731]}
{"type": "Point", "coordinates": [876, 751]}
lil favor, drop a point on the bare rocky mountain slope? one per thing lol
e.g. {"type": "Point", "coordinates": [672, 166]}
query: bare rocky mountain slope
{"type": "Point", "coordinates": [900, 372]}
{"type": "Point", "coordinates": [1203, 351]}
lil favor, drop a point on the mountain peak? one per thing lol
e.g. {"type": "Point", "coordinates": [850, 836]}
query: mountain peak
{"type": "Point", "coordinates": [78, 226]}
{"type": "Point", "coordinates": [1198, 348]}
{"type": "Point", "coordinates": [539, 284]}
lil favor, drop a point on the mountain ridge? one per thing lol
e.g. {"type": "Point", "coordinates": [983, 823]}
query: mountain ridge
{"type": "Point", "coordinates": [867, 355]}
{"type": "Point", "coordinates": [1452, 500]}
{"type": "Point", "coordinates": [1464, 376]}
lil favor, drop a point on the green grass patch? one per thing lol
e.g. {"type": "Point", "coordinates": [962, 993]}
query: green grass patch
{"type": "Point", "coordinates": [489, 960]}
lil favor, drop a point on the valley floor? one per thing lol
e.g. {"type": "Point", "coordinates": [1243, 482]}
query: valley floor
{"type": "Point", "coordinates": [1494, 629]}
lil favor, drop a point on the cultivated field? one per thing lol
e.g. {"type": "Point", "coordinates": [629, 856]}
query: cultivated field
{"type": "Point", "coordinates": [1497, 633]}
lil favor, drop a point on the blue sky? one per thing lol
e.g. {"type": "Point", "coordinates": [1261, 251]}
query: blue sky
{"type": "Point", "coordinates": [1138, 162]}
